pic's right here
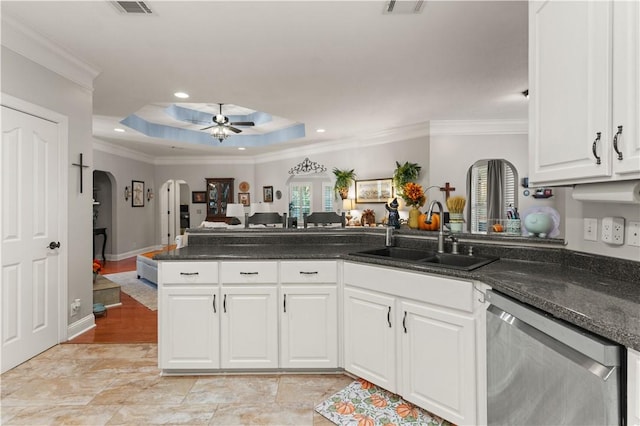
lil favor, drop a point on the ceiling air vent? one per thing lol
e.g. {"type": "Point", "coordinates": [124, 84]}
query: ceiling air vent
{"type": "Point", "coordinates": [403, 7]}
{"type": "Point", "coordinates": [132, 7]}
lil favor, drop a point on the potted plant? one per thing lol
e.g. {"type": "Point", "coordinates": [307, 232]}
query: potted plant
{"type": "Point", "coordinates": [344, 179]}
{"type": "Point", "coordinates": [405, 173]}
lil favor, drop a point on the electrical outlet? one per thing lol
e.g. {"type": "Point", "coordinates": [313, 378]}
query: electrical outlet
{"type": "Point", "coordinates": [613, 230]}
{"type": "Point", "coordinates": [590, 229]}
{"type": "Point", "coordinates": [633, 234]}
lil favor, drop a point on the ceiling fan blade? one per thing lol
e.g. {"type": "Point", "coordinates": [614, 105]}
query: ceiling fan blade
{"type": "Point", "coordinates": [243, 123]}
{"type": "Point", "coordinates": [234, 130]}
{"type": "Point", "coordinates": [207, 128]}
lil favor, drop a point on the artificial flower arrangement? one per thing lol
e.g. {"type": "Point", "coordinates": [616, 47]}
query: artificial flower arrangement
{"type": "Point", "coordinates": [413, 194]}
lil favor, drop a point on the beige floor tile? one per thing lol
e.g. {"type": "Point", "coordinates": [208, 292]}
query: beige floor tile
{"type": "Point", "coordinates": [7, 413]}
{"type": "Point", "coordinates": [61, 415]}
{"type": "Point", "coordinates": [148, 391]}
{"type": "Point", "coordinates": [263, 414]}
{"type": "Point", "coordinates": [310, 388]}
{"type": "Point", "coordinates": [320, 420]}
{"type": "Point", "coordinates": [72, 391]}
{"type": "Point", "coordinates": [233, 389]}
{"type": "Point", "coordinates": [200, 414]}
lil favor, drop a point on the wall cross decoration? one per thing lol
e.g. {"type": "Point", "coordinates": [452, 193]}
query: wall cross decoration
{"type": "Point", "coordinates": [447, 189]}
{"type": "Point", "coordinates": [80, 166]}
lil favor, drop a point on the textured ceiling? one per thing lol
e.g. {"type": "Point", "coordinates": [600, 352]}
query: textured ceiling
{"type": "Point", "coordinates": [343, 66]}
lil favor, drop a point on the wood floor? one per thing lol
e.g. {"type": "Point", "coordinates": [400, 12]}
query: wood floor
{"type": "Point", "coordinates": [130, 323]}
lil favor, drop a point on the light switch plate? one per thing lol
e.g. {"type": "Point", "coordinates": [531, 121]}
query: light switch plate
{"type": "Point", "coordinates": [613, 230]}
{"type": "Point", "coordinates": [590, 229]}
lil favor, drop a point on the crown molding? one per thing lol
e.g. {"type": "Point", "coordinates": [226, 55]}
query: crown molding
{"type": "Point", "coordinates": [206, 160]}
{"type": "Point", "coordinates": [42, 51]}
{"type": "Point", "coordinates": [120, 151]}
{"type": "Point", "coordinates": [479, 127]}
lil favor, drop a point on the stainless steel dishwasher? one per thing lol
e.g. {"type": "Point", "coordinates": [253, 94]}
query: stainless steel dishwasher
{"type": "Point", "coordinates": [544, 371]}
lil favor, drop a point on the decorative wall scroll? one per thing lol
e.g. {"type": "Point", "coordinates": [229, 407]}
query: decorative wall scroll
{"type": "Point", "coordinates": [307, 166]}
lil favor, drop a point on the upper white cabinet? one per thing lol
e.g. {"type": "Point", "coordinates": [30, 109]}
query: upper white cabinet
{"type": "Point", "coordinates": [584, 83]}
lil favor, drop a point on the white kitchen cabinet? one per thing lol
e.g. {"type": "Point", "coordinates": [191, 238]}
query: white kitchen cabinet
{"type": "Point", "coordinates": [249, 326]}
{"type": "Point", "coordinates": [633, 387]}
{"type": "Point", "coordinates": [189, 336]}
{"type": "Point", "coordinates": [438, 361]}
{"type": "Point", "coordinates": [309, 314]}
{"type": "Point", "coordinates": [583, 84]}
{"type": "Point", "coordinates": [188, 320]}
{"type": "Point", "coordinates": [369, 337]}
{"type": "Point", "coordinates": [309, 326]}
{"type": "Point", "coordinates": [433, 326]}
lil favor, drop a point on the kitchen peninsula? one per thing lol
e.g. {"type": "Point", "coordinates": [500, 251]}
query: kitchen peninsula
{"type": "Point", "coordinates": [280, 284]}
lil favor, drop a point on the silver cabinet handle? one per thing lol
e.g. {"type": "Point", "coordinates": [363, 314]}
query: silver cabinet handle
{"type": "Point", "coordinates": [615, 142]}
{"type": "Point", "coordinates": [224, 304]}
{"type": "Point", "coordinates": [249, 273]}
{"type": "Point", "coordinates": [308, 273]}
{"type": "Point", "coordinates": [595, 145]}
{"type": "Point", "coordinates": [214, 303]}
{"type": "Point", "coordinates": [189, 274]}
{"type": "Point", "coordinates": [285, 303]}
{"type": "Point", "coordinates": [389, 316]}
{"type": "Point", "coordinates": [404, 322]}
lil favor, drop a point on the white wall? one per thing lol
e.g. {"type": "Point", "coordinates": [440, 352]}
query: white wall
{"type": "Point", "coordinates": [134, 228]}
{"type": "Point", "coordinates": [36, 84]}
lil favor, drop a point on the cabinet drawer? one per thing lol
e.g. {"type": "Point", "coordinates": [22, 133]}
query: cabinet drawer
{"type": "Point", "coordinates": [189, 272]}
{"type": "Point", "coordinates": [249, 272]}
{"type": "Point", "coordinates": [311, 272]}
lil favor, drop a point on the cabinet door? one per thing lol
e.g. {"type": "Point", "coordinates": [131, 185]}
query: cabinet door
{"type": "Point", "coordinates": [309, 327]}
{"type": "Point", "coordinates": [249, 327]}
{"type": "Point", "coordinates": [369, 346]}
{"type": "Point", "coordinates": [189, 328]}
{"type": "Point", "coordinates": [438, 361]}
{"type": "Point", "coordinates": [570, 88]}
{"type": "Point", "coordinates": [626, 88]}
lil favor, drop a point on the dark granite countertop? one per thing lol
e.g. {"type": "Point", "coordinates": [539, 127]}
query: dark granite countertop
{"type": "Point", "coordinates": [597, 293]}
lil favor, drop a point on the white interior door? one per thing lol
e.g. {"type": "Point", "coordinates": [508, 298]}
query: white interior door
{"type": "Point", "coordinates": [30, 222]}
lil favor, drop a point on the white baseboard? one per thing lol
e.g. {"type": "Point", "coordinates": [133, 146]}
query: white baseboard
{"type": "Point", "coordinates": [132, 253]}
{"type": "Point", "coordinates": [77, 328]}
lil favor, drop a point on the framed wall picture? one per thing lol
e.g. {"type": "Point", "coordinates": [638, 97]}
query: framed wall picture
{"type": "Point", "coordinates": [374, 190]}
{"type": "Point", "coordinates": [244, 198]}
{"type": "Point", "coordinates": [267, 194]}
{"type": "Point", "coordinates": [137, 193]}
{"type": "Point", "coordinates": [198, 197]}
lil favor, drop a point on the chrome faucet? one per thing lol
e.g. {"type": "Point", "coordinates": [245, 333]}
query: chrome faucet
{"type": "Point", "coordinates": [454, 244]}
{"type": "Point", "coordinates": [441, 221]}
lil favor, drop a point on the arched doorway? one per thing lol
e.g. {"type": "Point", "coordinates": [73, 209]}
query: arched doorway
{"type": "Point", "coordinates": [104, 216]}
{"type": "Point", "coordinates": [174, 206]}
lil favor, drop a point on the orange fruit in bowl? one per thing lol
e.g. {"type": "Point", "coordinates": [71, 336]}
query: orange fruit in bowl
{"type": "Point", "coordinates": [497, 228]}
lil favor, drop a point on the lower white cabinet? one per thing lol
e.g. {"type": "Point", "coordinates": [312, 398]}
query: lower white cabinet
{"type": "Point", "coordinates": [189, 327]}
{"type": "Point", "coordinates": [249, 327]}
{"type": "Point", "coordinates": [633, 387]}
{"type": "Point", "coordinates": [438, 361]}
{"type": "Point", "coordinates": [369, 336]}
{"type": "Point", "coordinates": [415, 335]}
{"type": "Point", "coordinates": [308, 326]}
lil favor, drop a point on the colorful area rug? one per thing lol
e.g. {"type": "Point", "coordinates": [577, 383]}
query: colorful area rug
{"type": "Point", "coordinates": [364, 404]}
{"type": "Point", "coordinates": [141, 290]}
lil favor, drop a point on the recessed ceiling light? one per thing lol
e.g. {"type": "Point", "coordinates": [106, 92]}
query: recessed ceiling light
{"type": "Point", "coordinates": [320, 130]}
{"type": "Point", "coordinates": [119, 130]}
{"type": "Point", "coordinates": [241, 148]}
{"type": "Point", "coordinates": [181, 95]}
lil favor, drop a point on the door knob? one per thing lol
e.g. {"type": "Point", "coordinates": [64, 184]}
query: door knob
{"type": "Point", "coordinates": [53, 245]}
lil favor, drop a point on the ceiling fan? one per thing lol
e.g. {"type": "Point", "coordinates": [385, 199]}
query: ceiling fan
{"type": "Point", "coordinates": [222, 126]}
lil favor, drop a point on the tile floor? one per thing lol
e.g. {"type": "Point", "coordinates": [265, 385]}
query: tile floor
{"type": "Point", "coordinates": [109, 384]}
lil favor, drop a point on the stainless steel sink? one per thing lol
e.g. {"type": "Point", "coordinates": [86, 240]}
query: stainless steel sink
{"type": "Point", "coordinates": [459, 261]}
{"type": "Point", "coordinates": [427, 257]}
